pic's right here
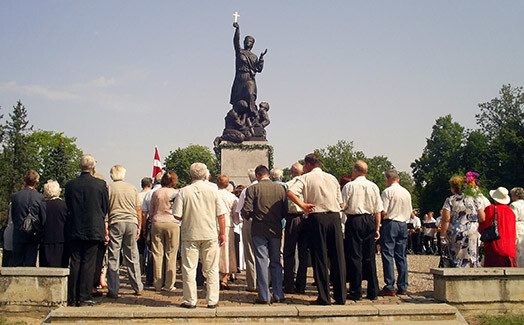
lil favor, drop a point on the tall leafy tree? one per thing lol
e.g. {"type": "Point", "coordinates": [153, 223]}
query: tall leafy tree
{"type": "Point", "coordinates": [501, 121]}
{"type": "Point", "coordinates": [56, 156]}
{"type": "Point", "coordinates": [15, 159]}
{"type": "Point", "coordinates": [441, 159]}
{"type": "Point", "coordinates": [181, 159]}
{"type": "Point", "coordinates": [338, 159]}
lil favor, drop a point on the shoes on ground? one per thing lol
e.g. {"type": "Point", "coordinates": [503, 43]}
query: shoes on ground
{"type": "Point", "coordinates": [262, 302]}
{"type": "Point", "coordinates": [371, 297]}
{"type": "Point", "coordinates": [139, 292]}
{"type": "Point", "coordinates": [318, 302]}
{"type": "Point", "coordinates": [224, 286]}
{"type": "Point", "coordinates": [300, 291]}
{"type": "Point", "coordinates": [385, 292]}
{"type": "Point", "coordinates": [289, 291]}
{"type": "Point", "coordinates": [402, 292]}
{"type": "Point", "coordinates": [87, 303]}
{"type": "Point", "coordinates": [168, 290]}
{"type": "Point", "coordinates": [188, 306]}
{"type": "Point", "coordinates": [279, 301]}
{"type": "Point", "coordinates": [212, 306]}
{"type": "Point", "coordinates": [251, 289]}
{"type": "Point", "coordinates": [353, 297]}
{"type": "Point", "coordinates": [112, 295]}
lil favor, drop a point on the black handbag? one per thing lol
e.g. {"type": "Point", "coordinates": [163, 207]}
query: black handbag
{"type": "Point", "coordinates": [491, 233]}
{"type": "Point", "coordinates": [445, 260]}
{"type": "Point", "coordinates": [32, 227]}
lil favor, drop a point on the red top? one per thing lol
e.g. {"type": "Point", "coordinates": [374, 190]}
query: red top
{"type": "Point", "coordinates": [505, 246]}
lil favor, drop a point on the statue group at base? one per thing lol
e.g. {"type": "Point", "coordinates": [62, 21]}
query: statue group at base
{"type": "Point", "coordinates": [245, 121]}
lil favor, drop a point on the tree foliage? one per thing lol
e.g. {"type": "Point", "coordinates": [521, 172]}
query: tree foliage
{"type": "Point", "coordinates": [51, 154]}
{"type": "Point", "coordinates": [441, 159]}
{"type": "Point", "coordinates": [181, 159]}
{"type": "Point", "coordinates": [495, 150]}
{"type": "Point", "coordinates": [339, 159]}
{"type": "Point", "coordinates": [15, 159]}
{"type": "Point", "coordinates": [501, 121]}
{"type": "Point", "coordinates": [56, 156]}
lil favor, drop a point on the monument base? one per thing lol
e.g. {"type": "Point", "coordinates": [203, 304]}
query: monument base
{"type": "Point", "coordinates": [237, 158]}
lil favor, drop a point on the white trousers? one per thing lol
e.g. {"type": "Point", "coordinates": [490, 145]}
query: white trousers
{"type": "Point", "coordinates": [208, 252]}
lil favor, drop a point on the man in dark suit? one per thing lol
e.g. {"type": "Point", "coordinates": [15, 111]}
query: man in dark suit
{"type": "Point", "coordinates": [26, 201]}
{"type": "Point", "coordinates": [266, 205]}
{"type": "Point", "coordinates": [87, 202]}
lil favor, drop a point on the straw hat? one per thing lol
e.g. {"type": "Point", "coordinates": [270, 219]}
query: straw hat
{"type": "Point", "coordinates": [500, 195]}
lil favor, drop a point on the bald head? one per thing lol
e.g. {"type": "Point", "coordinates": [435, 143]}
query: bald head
{"type": "Point", "coordinates": [360, 168]}
{"type": "Point", "coordinates": [297, 169]}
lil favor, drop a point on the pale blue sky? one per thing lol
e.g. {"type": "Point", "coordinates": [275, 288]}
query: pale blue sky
{"type": "Point", "coordinates": [124, 76]}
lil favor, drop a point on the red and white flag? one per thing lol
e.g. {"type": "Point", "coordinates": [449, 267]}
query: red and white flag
{"type": "Point", "coordinates": [157, 166]}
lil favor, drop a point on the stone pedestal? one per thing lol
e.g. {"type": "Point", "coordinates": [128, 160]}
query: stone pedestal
{"type": "Point", "coordinates": [236, 159]}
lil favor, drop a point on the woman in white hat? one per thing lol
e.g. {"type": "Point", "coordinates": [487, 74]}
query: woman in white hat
{"type": "Point", "coordinates": [517, 196]}
{"type": "Point", "coordinates": [500, 252]}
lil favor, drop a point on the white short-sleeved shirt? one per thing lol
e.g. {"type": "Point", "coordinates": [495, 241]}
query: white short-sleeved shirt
{"type": "Point", "coordinates": [397, 203]}
{"type": "Point", "coordinates": [361, 196]}
{"type": "Point", "coordinates": [198, 205]}
{"type": "Point", "coordinates": [147, 198]}
{"type": "Point", "coordinates": [319, 188]}
{"type": "Point", "coordinates": [415, 221]}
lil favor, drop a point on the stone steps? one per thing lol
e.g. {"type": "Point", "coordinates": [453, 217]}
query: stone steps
{"type": "Point", "coordinates": [371, 314]}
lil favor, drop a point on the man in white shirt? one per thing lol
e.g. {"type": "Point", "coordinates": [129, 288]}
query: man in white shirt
{"type": "Point", "coordinates": [429, 233]}
{"type": "Point", "coordinates": [363, 206]}
{"type": "Point", "coordinates": [394, 234]}
{"type": "Point", "coordinates": [414, 233]}
{"type": "Point", "coordinates": [249, 255]}
{"type": "Point", "coordinates": [322, 201]}
{"type": "Point", "coordinates": [295, 238]}
{"type": "Point", "coordinates": [200, 209]}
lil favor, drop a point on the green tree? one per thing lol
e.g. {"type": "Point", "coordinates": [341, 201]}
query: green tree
{"type": "Point", "coordinates": [441, 159]}
{"type": "Point", "coordinates": [339, 159]}
{"type": "Point", "coordinates": [181, 159]}
{"type": "Point", "coordinates": [501, 121]}
{"type": "Point", "coordinates": [15, 159]}
{"type": "Point", "coordinates": [56, 156]}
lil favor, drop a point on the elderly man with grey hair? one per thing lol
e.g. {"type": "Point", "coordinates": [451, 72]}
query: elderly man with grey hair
{"type": "Point", "coordinates": [124, 221]}
{"type": "Point", "coordinates": [363, 207]}
{"type": "Point", "coordinates": [276, 175]}
{"type": "Point", "coordinates": [87, 204]}
{"type": "Point", "coordinates": [52, 249]}
{"type": "Point", "coordinates": [199, 207]}
{"type": "Point", "coordinates": [394, 234]}
{"type": "Point", "coordinates": [295, 239]}
{"type": "Point", "coordinates": [249, 254]}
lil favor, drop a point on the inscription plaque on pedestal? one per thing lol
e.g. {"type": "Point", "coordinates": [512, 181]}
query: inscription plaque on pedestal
{"type": "Point", "coordinates": [234, 162]}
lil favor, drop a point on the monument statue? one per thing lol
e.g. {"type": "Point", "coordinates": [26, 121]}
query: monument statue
{"type": "Point", "coordinates": [245, 121]}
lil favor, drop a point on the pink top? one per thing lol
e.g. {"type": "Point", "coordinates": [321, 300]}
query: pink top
{"type": "Point", "coordinates": [161, 203]}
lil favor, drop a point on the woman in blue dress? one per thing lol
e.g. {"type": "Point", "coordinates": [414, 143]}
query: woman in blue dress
{"type": "Point", "coordinates": [459, 228]}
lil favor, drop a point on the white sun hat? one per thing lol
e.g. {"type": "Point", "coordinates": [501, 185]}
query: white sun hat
{"type": "Point", "coordinates": [500, 195]}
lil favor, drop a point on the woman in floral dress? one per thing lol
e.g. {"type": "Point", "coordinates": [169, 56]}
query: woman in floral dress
{"type": "Point", "coordinates": [459, 226]}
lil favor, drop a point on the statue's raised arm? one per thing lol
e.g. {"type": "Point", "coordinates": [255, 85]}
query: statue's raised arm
{"type": "Point", "coordinates": [247, 64]}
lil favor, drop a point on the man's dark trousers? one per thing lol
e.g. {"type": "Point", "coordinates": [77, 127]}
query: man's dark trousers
{"type": "Point", "coordinates": [82, 270]}
{"type": "Point", "coordinates": [325, 232]}
{"type": "Point", "coordinates": [295, 233]}
{"type": "Point", "coordinates": [360, 246]}
{"type": "Point", "coordinates": [393, 241]}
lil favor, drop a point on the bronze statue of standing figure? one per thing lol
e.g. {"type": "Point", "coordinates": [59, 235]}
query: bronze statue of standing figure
{"type": "Point", "coordinates": [246, 66]}
{"type": "Point", "coordinates": [245, 121]}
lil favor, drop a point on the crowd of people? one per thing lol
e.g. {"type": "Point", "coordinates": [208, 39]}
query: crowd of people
{"type": "Point", "coordinates": [207, 231]}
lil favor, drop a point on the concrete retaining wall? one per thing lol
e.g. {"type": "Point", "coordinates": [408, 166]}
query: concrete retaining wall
{"type": "Point", "coordinates": [36, 286]}
{"type": "Point", "coordinates": [476, 285]}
